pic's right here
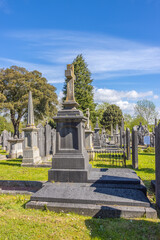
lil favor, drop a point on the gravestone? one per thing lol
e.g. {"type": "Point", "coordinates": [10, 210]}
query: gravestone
{"type": "Point", "coordinates": [157, 154]}
{"type": "Point", "coordinates": [128, 144]}
{"type": "Point", "coordinates": [134, 148]}
{"type": "Point", "coordinates": [5, 137]}
{"type": "Point", "coordinates": [121, 137]}
{"type": "Point", "coordinates": [77, 186]}
{"type": "Point", "coordinates": [31, 155]}
{"type": "Point", "coordinates": [16, 148]}
{"type": "Point", "coordinates": [48, 141]}
{"type": "Point", "coordinates": [41, 140]}
{"type": "Point", "coordinates": [53, 141]}
{"type": "Point", "coordinates": [70, 162]}
{"type": "Point", "coordinates": [96, 136]}
{"type": "Point", "coordinates": [88, 133]}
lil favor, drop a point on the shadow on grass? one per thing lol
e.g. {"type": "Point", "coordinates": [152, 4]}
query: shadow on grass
{"type": "Point", "coordinates": [12, 163]}
{"type": "Point", "coordinates": [105, 165]}
{"type": "Point", "coordinates": [147, 154]}
{"type": "Point", "coordinates": [122, 229]}
{"type": "Point", "coordinates": [15, 160]}
{"type": "Point", "coordinates": [146, 170]}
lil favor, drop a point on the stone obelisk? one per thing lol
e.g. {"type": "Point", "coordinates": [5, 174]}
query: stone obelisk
{"type": "Point", "coordinates": [31, 154]}
{"type": "Point", "coordinates": [70, 162]}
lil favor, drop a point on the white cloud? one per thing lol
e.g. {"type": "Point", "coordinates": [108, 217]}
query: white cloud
{"type": "Point", "coordinates": [106, 56]}
{"type": "Point", "coordinates": [126, 100]}
{"type": "Point", "coordinates": [109, 95]}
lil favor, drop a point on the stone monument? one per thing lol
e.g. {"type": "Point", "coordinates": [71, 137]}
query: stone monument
{"type": "Point", "coordinates": [16, 147]}
{"type": "Point", "coordinates": [96, 142]}
{"type": "Point", "coordinates": [70, 162]}
{"type": "Point", "coordinates": [157, 152]}
{"type": "Point", "coordinates": [79, 188]}
{"type": "Point", "coordinates": [134, 148]}
{"type": "Point", "coordinates": [88, 133]}
{"type": "Point", "coordinates": [31, 155]}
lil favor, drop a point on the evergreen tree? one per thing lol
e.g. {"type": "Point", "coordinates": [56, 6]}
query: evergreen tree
{"type": "Point", "coordinates": [83, 87]}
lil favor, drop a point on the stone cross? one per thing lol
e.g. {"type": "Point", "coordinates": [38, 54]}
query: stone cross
{"type": "Point", "coordinates": [30, 117]}
{"type": "Point", "coordinates": [69, 73]}
{"type": "Point", "coordinates": [88, 115]}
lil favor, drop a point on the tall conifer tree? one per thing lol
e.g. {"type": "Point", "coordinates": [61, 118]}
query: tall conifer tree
{"type": "Point", "coordinates": [83, 86]}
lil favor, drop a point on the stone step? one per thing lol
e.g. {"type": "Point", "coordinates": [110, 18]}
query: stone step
{"type": "Point", "coordinates": [113, 175]}
{"type": "Point", "coordinates": [94, 210]}
{"type": "Point", "coordinates": [84, 194]}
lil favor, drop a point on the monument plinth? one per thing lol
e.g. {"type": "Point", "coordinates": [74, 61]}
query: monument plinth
{"type": "Point", "coordinates": [70, 162]}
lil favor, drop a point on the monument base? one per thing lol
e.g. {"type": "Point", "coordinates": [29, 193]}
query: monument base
{"type": "Point", "coordinates": [31, 157]}
{"type": "Point", "coordinates": [106, 194]}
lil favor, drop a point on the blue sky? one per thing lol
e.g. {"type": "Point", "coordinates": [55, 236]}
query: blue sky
{"type": "Point", "coordinates": [119, 39]}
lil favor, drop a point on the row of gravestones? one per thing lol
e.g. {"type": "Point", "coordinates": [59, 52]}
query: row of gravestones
{"type": "Point", "coordinates": [46, 140]}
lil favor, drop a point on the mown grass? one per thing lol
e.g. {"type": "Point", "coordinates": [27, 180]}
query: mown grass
{"type": "Point", "coordinates": [12, 170]}
{"type": "Point", "coordinates": [16, 222]}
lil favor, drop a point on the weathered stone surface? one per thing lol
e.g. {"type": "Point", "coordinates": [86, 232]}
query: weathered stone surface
{"type": "Point", "coordinates": [96, 137]}
{"type": "Point", "coordinates": [134, 148]}
{"type": "Point", "coordinates": [16, 149]}
{"type": "Point", "coordinates": [97, 200]}
{"type": "Point", "coordinates": [70, 162]}
{"type": "Point", "coordinates": [157, 152]}
{"type": "Point", "coordinates": [95, 210]}
{"type": "Point", "coordinates": [128, 143]}
{"type": "Point", "coordinates": [31, 154]}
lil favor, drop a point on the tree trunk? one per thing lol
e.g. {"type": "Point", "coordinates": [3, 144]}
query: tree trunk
{"type": "Point", "coordinates": [16, 129]}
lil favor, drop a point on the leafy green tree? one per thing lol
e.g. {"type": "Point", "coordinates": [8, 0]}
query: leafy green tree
{"type": "Point", "coordinates": [5, 125]}
{"type": "Point", "coordinates": [15, 83]}
{"type": "Point", "coordinates": [112, 115]}
{"type": "Point", "coordinates": [83, 87]}
{"type": "Point", "coordinates": [145, 109]}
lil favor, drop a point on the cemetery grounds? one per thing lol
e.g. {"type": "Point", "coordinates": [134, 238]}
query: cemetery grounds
{"type": "Point", "coordinates": [16, 222]}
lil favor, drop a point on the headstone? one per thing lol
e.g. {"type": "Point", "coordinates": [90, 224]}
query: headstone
{"type": "Point", "coordinates": [16, 149]}
{"type": "Point", "coordinates": [121, 137]}
{"type": "Point", "coordinates": [48, 141]}
{"type": "Point", "coordinates": [128, 144]}
{"type": "Point", "coordinates": [5, 137]}
{"type": "Point", "coordinates": [53, 141]}
{"type": "Point", "coordinates": [41, 140]}
{"type": "Point", "coordinates": [70, 162]}
{"type": "Point", "coordinates": [96, 136]}
{"type": "Point", "coordinates": [88, 133]}
{"type": "Point", "coordinates": [134, 148]}
{"type": "Point", "coordinates": [157, 154]}
{"type": "Point", "coordinates": [31, 155]}
{"type": "Point", "coordinates": [147, 140]}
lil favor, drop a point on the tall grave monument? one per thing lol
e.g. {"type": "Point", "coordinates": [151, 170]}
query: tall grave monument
{"type": "Point", "coordinates": [70, 162]}
{"type": "Point", "coordinates": [31, 155]}
{"type": "Point", "coordinates": [78, 187]}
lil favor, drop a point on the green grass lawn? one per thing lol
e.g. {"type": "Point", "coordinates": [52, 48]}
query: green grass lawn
{"type": "Point", "coordinates": [16, 222]}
